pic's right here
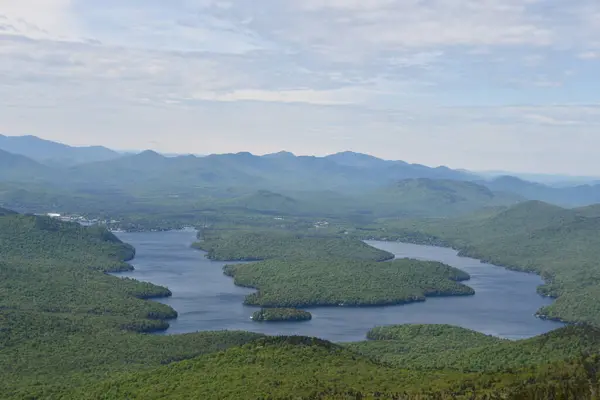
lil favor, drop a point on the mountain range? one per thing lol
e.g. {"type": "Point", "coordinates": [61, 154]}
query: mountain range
{"type": "Point", "coordinates": [101, 167]}
{"type": "Point", "coordinates": [53, 153]}
{"type": "Point", "coordinates": [33, 168]}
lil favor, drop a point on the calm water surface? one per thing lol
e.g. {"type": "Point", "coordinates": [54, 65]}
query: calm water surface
{"type": "Point", "coordinates": [504, 304]}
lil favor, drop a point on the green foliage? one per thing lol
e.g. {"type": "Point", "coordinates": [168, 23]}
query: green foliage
{"type": "Point", "coordinates": [325, 282]}
{"type": "Point", "coordinates": [58, 267]}
{"type": "Point", "coordinates": [64, 321]}
{"type": "Point", "coordinates": [450, 336]}
{"type": "Point", "coordinates": [304, 368]}
{"type": "Point", "coordinates": [274, 368]}
{"type": "Point", "coordinates": [441, 347]}
{"type": "Point", "coordinates": [254, 246]}
{"type": "Point", "coordinates": [561, 245]}
{"type": "Point", "coordinates": [281, 314]}
{"type": "Point", "coordinates": [44, 352]}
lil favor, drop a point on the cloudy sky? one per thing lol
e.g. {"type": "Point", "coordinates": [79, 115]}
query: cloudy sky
{"type": "Point", "coordinates": [480, 84]}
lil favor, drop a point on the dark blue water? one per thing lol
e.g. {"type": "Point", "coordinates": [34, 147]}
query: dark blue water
{"type": "Point", "coordinates": [504, 304]}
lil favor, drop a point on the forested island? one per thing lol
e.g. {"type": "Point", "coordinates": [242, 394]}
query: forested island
{"type": "Point", "coordinates": [281, 314]}
{"type": "Point", "coordinates": [344, 282]}
{"type": "Point", "coordinates": [297, 269]}
{"type": "Point", "coordinates": [263, 244]}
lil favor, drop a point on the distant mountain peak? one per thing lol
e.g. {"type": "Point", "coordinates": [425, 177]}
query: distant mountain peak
{"type": "Point", "coordinates": [150, 153]}
{"type": "Point", "coordinates": [49, 152]}
{"type": "Point", "coordinates": [349, 153]}
{"type": "Point", "coordinates": [280, 154]}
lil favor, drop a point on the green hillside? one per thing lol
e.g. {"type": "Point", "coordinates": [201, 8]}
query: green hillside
{"type": "Point", "coordinates": [264, 201]}
{"type": "Point", "coordinates": [589, 211]}
{"type": "Point", "coordinates": [64, 321]}
{"type": "Point", "coordinates": [442, 347]}
{"type": "Point", "coordinates": [434, 198]}
{"type": "Point", "coordinates": [304, 368]}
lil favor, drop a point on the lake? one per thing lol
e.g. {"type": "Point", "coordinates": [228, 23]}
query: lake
{"type": "Point", "coordinates": [504, 304]}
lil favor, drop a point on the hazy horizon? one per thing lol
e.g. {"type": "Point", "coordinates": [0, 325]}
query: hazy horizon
{"type": "Point", "coordinates": [480, 85]}
{"type": "Point", "coordinates": [490, 173]}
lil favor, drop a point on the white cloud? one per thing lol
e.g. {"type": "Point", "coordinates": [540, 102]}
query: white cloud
{"type": "Point", "coordinates": [309, 96]}
{"type": "Point", "coordinates": [590, 55]}
{"type": "Point", "coordinates": [387, 24]}
{"type": "Point", "coordinates": [547, 120]}
{"type": "Point", "coordinates": [38, 19]}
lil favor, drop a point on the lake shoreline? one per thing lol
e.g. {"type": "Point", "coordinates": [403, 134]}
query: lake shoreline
{"type": "Point", "coordinates": [167, 259]}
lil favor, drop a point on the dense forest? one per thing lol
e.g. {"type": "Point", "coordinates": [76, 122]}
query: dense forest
{"type": "Point", "coordinates": [441, 347]}
{"type": "Point", "coordinates": [346, 282]}
{"type": "Point", "coordinates": [302, 269]}
{"type": "Point", "coordinates": [305, 368]}
{"type": "Point", "coordinates": [253, 245]}
{"type": "Point", "coordinates": [281, 314]}
{"type": "Point", "coordinates": [64, 321]}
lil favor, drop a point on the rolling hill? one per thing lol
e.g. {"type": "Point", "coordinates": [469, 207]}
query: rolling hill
{"type": "Point", "coordinates": [18, 168]}
{"type": "Point", "coordinates": [433, 198]}
{"type": "Point", "coordinates": [567, 196]}
{"type": "Point", "coordinates": [307, 368]}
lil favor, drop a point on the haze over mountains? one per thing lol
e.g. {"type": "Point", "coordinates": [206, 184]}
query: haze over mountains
{"type": "Point", "coordinates": [350, 181]}
{"type": "Point", "coordinates": [49, 152]}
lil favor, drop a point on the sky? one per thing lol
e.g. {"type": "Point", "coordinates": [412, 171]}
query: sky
{"type": "Point", "coordinates": [481, 84]}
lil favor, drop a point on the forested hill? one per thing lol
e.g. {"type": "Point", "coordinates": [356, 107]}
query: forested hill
{"type": "Point", "coordinates": [425, 197]}
{"type": "Point", "coordinates": [307, 368]}
{"type": "Point", "coordinates": [560, 244]}
{"type": "Point", "coordinates": [64, 321]}
{"type": "Point", "coordinates": [34, 238]}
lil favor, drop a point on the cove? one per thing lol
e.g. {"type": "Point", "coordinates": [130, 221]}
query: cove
{"type": "Point", "coordinates": [504, 304]}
